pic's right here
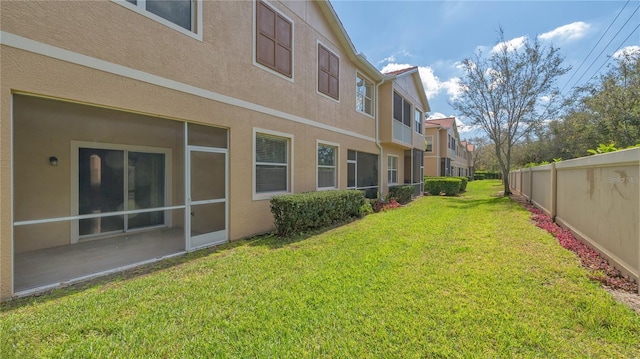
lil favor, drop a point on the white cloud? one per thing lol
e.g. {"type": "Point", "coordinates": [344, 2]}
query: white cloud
{"type": "Point", "coordinates": [629, 51]}
{"type": "Point", "coordinates": [453, 87]}
{"type": "Point", "coordinates": [394, 57]}
{"type": "Point", "coordinates": [569, 32]}
{"type": "Point", "coordinates": [437, 115]}
{"type": "Point", "coordinates": [511, 45]}
{"type": "Point", "coordinates": [431, 83]}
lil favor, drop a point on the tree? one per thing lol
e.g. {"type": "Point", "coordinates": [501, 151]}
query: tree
{"type": "Point", "coordinates": [510, 93]}
{"type": "Point", "coordinates": [613, 103]}
{"type": "Point", "coordinates": [483, 155]}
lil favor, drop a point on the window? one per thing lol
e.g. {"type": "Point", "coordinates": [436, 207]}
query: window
{"type": "Point", "coordinates": [328, 73]}
{"type": "Point", "coordinates": [428, 144]}
{"type": "Point", "coordinates": [364, 95]}
{"type": "Point", "coordinates": [327, 172]}
{"type": "Point", "coordinates": [272, 158]}
{"type": "Point", "coordinates": [362, 172]}
{"type": "Point", "coordinates": [402, 117]}
{"type": "Point", "coordinates": [417, 118]}
{"type": "Point", "coordinates": [392, 169]}
{"type": "Point", "coordinates": [274, 40]}
{"type": "Point", "coordinates": [179, 12]}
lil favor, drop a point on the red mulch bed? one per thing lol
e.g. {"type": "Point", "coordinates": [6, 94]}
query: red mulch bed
{"type": "Point", "coordinates": [599, 267]}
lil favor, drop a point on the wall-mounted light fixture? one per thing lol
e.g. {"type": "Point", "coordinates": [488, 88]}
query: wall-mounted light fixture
{"type": "Point", "coordinates": [53, 160]}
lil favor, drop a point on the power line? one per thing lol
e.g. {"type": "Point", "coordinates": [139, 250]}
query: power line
{"type": "Point", "coordinates": [594, 46]}
{"type": "Point", "coordinates": [614, 51]}
{"type": "Point", "coordinates": [607, 45]}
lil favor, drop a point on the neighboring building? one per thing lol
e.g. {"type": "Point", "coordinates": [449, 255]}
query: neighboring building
{"type": "Point", "coordinates": [135, 131]}
{"type": "Point", "coordinates": [445, 154]}
{"type": "Point", "coordinates": [403, 104]}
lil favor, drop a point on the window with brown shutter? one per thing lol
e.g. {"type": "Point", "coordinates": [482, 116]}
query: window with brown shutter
{"type": "Point", "coordinates": [274, 40]}
{"type": "Point", "coordinates": [328, 73]}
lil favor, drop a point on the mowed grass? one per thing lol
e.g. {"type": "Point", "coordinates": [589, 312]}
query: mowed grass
{"type": "Point", "coordinates": [466, 276]}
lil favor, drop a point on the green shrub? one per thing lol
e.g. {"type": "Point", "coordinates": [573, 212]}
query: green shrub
{"type": "Point", "coordinates": [402, 194]}
{"type": "Point", "coordinates": [463, 185]}
{"type": "Point", "coordinates": [295, 213]}
{"type": "Point", "coordinates": [487, 175]}
{"type": "Point", "coordinates": [449, 185]}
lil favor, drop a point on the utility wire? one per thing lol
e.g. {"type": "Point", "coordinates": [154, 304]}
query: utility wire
{"type": "Point", "coordinates": [594, 46]}
{"type": "Point", "coordinates": [607, 45]}
{"type": "Point", "coordinates": [614, 51]}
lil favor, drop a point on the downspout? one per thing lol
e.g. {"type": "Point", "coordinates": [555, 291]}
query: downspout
{"type": "Point", "coordinates": [377, 118]}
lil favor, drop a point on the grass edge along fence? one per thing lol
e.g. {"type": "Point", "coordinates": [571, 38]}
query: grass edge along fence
{"type": "Point", "coordinates": [596, 197]}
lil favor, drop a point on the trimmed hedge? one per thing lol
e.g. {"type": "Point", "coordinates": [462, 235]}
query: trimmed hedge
{"type": "Point", "coordinates": [463, 185]}
{"type": "Point", "coordinates": [449, 185]}
{"type": "Point", "coordinates": [480, 175]}
{"type": "Point", "coordinates": [402, 194]}
{"type": "Point", "coordinates": [295, 213]}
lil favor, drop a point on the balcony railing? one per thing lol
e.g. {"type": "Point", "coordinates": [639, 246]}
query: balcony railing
{"type": "Point", "coordinates": [401, 132]}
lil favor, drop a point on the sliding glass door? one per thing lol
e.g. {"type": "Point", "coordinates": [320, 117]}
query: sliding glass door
{"type": "Point", "coordinates": [112, 180]}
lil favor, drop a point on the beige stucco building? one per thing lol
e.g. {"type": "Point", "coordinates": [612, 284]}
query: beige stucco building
{"type": "Point", "coordinates": [164, 127]}
{"type": "Point", "coordinates": [445, 154]}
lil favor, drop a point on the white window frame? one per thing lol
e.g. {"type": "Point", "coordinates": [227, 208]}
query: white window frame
{"type": "Point", "coordinates": [196, 17]}
{"type": "Point", "coordinates": [359, 76]}
{"type": "Point", "coordinates": [390, 169]}
{"type": "Point", "coordinates": [259, 196]}
{"type": "Point", "coordinates": [254, 43]}
{"type": "Point", "coordinates": [426, 140]}
{"type": "Point", "coordinates": [417, 120]}
{"type": "Point", "coordinates": [335, 164]}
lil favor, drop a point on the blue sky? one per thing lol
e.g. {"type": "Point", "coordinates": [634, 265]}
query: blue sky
{"type": "Point", "coordinates": [437, 35]}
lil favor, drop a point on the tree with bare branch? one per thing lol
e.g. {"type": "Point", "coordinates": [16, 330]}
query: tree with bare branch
{"type": "Point", "coordinates": [510, 93]}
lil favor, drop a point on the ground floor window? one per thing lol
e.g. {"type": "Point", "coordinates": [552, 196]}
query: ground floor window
{"type": "Point", "coordinates": [272, 162]}
{"type": "Point", "coordinates": [327, 172]}
{"type": "Point", "coordinates": [362, 172]}
{"type": "Point", "coordinates": [392, 169]}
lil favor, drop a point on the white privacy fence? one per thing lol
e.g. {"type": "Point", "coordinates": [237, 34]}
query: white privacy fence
{"type": "Point", "coordinates": [596, 197]}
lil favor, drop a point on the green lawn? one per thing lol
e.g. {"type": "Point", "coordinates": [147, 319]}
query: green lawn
{"type": "Point", "coordinates": [465, 276]}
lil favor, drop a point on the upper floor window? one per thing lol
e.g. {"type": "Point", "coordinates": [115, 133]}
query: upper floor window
{"type": "Point", "coordinates": [178, 14]}
{"type": "Point", "coordinates": [428, 144]}
{"type": "Point", "coordinates": [402, 119]}
{"type": "Point", "coordinates": [274, 40]}
{"type": "Point", "coordinates": [401, 110]}
{"type": "Point", "coordinates": [364, 95]}
{"type": "Point", "coordinates": [417, 118]}
{"type": "Point", "coordinates": [328, 73]}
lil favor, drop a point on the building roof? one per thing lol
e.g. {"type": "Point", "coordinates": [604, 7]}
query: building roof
{"type": "Point", "coordinates": [401, 71]}
{"type": "Point", "coordinates": [446, 122]}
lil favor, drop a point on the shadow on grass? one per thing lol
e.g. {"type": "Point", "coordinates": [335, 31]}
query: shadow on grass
{"type": "Point", "coordinates": [123, 276]}
{"type": "Point", "coordinates": [274, 241]}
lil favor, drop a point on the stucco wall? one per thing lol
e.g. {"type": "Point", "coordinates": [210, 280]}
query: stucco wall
{"type": "Point", "coordinates": [129, 63]}
{"type": "Point", "coordinates": [598, 198]}
{"type": "Point", "coordinates": [541, 187]}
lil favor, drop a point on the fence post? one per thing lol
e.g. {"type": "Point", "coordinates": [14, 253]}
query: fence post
{"type": "Point", "coordinates": [530, 185]}
{"type": "Point", "coordinates": [554, 192]}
